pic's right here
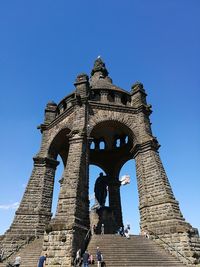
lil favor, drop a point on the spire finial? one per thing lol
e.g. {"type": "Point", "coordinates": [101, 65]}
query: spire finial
{"type": "Point", "coordinates": [99, 66]}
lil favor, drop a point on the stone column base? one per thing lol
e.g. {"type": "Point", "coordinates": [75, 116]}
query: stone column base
{"type": "Point", "coordinates": [106, 216]}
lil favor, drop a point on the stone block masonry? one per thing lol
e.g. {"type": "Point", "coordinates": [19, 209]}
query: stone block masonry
{"type": "Point", "coordinates": [100, 124]}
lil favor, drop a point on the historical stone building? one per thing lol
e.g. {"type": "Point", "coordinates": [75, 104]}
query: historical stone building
{"type": "Point", "coordinates": [97, 112]}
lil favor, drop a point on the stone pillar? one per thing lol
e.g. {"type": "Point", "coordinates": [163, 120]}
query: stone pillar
{"type": "Point", "coordinates": [66, 233]}
{"type": "Point", "coordinates": [138, 95]}
{"type": "Point", "coordinates": [115, 201]}
{"type": "Point", "coordinates": [34, 212]}
{"type": "Point", "coordinates": [82, 85]}
{"type": "Point", "coordinates": [158, 207]}
{"type": "Point", "coordinates": [159, 211]}
{"type": "Point", "coordinates": [50, 115]}
{"type": "Point", "coordinates": [50, 112]}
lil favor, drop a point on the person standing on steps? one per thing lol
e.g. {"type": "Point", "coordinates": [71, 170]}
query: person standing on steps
{"type": "Point", "coordinates": [99, 257]}
{"type": "Point", "coordinates": [77, 261]}
{"type": "Point", "coordinates": [127, 231]}
{"type": "Point", "coordinates": [102, 229]}
{"type": "Point", "coordinates": [86, 256]}
{"type": "Point", "coordinates": [17, 261]}
{"type": "Point", "coordinates": [42, 261]}
{"type": "Point", "coordinates": [91, 260]}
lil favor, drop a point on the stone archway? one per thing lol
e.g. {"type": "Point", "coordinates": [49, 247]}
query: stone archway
{"type": "Point", "coordinates": [59, 147]}
{"type": "Point", "coordinates": [118, 142]}
{"type": "Point", "coordinates": [118, 124]}
{"type": "Point", "coordinates": [118, 139]}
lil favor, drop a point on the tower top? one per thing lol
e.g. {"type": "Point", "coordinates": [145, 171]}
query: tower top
{"type": "Point", "coordinates": [99, 67]}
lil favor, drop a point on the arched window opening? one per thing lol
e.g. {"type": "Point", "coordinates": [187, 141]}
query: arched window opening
{"type": "Point", "coordinates": [92, 145]}
{"type": "Point", "coordinates": [102, 145]}
{"type": "Point", "coordinates": [126, 139]}
{"type": "Point", "coordinates": [118, 142]}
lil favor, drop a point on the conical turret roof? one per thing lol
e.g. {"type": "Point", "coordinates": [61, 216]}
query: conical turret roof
{"type": "Point", "coordinates": [100, 79]}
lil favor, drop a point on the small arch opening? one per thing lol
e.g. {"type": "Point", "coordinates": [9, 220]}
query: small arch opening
{"type": "Point", "coordinates": [92, 145]}
{"type": "Point", "coordinates": [102, 145]}
{"type": "Point", "coordinates": [118, 142]}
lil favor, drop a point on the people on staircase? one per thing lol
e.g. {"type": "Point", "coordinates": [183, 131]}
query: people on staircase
{"type": "Point", "coordinates": [102, 229]}
{"type": "Point", "coordinates": [121, 231]}
{"type": "Point", "coordinates": [127, 231]}
{"type": "Point", "coordinates": [86, 259]}
{"type": "Point", "coordinates": [42, 261]}
{"type": "Point", "coordinates": [146, 234]}
{"type": "Point", "coordinates": [99, 257]}
{"type": "Point", "coordinates": [91, 259]}
{"type": "Point", "coordinates": [77, 261]}
{"type": "Point", "coordinates": [17, 261]}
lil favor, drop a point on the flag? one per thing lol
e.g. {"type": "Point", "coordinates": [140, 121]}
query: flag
{"type": "Point", "coordinates": [125, 179]}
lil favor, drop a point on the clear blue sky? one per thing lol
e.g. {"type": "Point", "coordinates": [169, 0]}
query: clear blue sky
{"type": "Point", "coordinates": [45, 44]}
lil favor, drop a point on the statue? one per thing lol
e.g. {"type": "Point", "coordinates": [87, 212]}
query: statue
{"type": "Point", "coordinates": [100, 190]}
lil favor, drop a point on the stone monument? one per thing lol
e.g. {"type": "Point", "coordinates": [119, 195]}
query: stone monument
{"type": "Point", "coordinates": [96, 113]}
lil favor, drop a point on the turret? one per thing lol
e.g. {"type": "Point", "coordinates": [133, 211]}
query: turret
{"type": "Point", "coordinates": [50, 112]}
{"type": "Point", "coordinates": [82, 85]}
{"type": "Point", "coordinates": [138, 95]}
{"type": "Point", "coordinates": [99, 71]}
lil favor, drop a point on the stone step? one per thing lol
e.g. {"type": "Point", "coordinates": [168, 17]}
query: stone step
{"type": "Point", "coordinates": [117, 251]}
{"type": "Point", "coordinates": [136, 251]}
{"type": "Point", "coordinates": [29, 254]}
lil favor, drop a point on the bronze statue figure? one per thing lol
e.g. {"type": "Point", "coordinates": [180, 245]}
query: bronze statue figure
{"type": "Point", "coordinates": [100, 190]}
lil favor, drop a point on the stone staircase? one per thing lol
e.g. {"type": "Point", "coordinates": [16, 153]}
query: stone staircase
{"type": "Point", "coordinates": [136, 251]}
{"type": "Point", "coordinates": [29, 254]}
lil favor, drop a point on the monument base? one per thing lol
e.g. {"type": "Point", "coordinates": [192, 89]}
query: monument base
{"type": "Point", "coordinates": [105, 216]}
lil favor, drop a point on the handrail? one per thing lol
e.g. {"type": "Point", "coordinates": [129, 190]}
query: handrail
{"type": "Point", "coordinates": [86, 239]}
{"type": "Point", "coordinates": [13, 251]}
{"type": "Point", "coordinates": [16, 249]}
{"type": "Point", "coordinates": [87, 235]}
{"type": "Point", "coordinates": [84, 244]}
{"type": "Point", "coordinates": [151, 232]}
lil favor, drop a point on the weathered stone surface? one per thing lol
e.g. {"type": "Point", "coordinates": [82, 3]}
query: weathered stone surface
{"type": "Point", "coordinates": [104, 125]}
